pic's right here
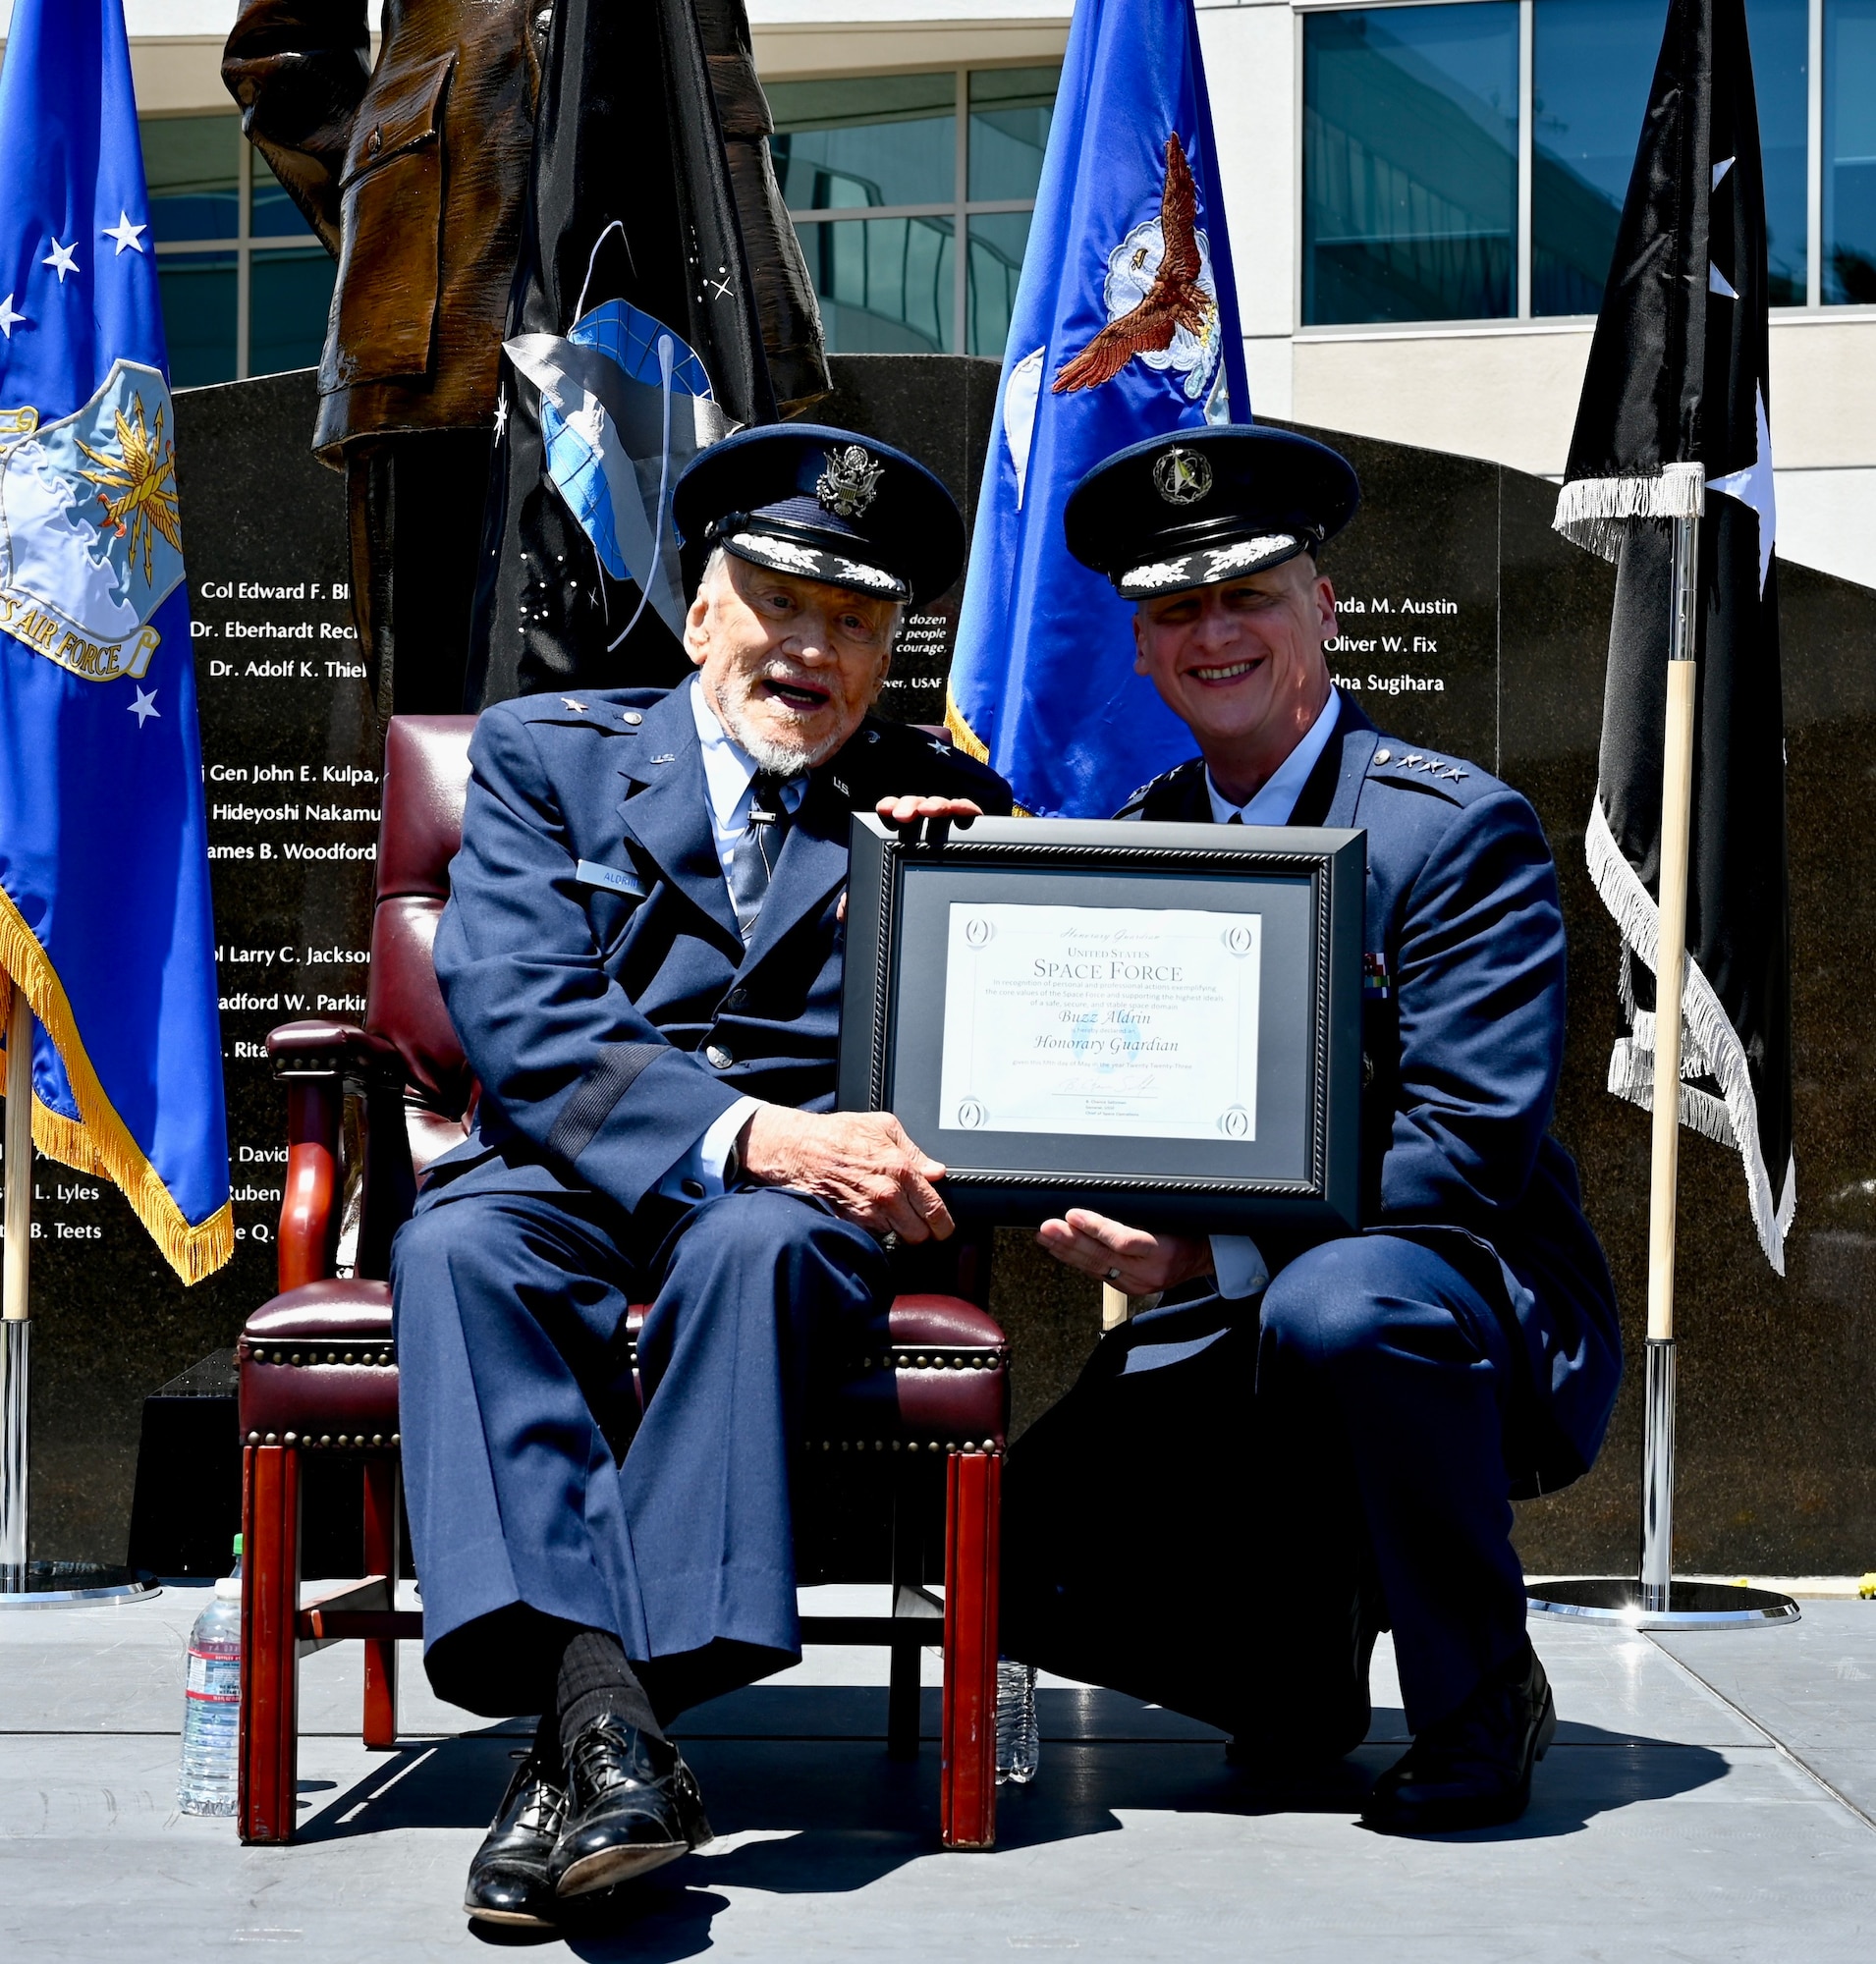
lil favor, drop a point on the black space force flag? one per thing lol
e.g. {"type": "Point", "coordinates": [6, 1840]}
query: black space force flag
{"type": "Point", "coordinates": [633, 340]}
{"type": "Point", "coordinates": [1675, 419]}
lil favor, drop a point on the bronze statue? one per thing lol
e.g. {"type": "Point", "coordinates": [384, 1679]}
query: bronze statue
{"type": "Point", "coordinates": [415, 176]}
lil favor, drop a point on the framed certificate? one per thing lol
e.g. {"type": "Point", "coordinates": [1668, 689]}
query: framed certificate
{"type": "Point", "coordinates": [1162, 1021]}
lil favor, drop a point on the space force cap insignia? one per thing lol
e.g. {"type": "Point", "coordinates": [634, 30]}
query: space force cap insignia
{"type": "Point", "coordinates": [1217, 504]}
{"type": "Point", "coordinates": [1182, 476]}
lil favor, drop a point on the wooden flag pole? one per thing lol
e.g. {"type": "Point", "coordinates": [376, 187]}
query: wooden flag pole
{"type": "Point", "coordinates": [15, 1326]}
{"type": "Point", "coordinates": [1677, 806]}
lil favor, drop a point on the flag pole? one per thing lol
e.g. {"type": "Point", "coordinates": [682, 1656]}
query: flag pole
{"type": "Point", "coordinates": [23, 1583]}
{"type": "Point", "coordinates": [15, 1328]}
{"type": "Point", "coordinates": [1676, 805]}
{"type": "Point", "coordinates": [1652, 1601]}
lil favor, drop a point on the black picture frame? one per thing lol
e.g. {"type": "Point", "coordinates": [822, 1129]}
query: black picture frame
{"type": "Point", "coordinates": [1308, 885]}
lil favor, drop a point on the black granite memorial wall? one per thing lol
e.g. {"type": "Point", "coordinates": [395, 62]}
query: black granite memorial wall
{"type": "Point", "coordinates": [1467, 627]}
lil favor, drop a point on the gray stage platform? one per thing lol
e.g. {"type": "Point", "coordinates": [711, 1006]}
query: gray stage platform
{"type": "Point", "coordinates": [1713, 1798]}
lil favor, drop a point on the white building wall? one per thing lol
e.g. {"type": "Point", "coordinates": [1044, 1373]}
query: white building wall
{"type": "Point", "coordinates": [1505, 391]}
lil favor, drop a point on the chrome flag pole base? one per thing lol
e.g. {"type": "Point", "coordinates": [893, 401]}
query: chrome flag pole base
{"type": "Point", "coordinates": [45, 1584]}
{"type": "Point", "coordinates": [1617, 1601]}
{"type": "Point", "coordinates": [38, 1585]}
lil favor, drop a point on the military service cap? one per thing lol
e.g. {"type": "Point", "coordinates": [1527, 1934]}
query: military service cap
{"type": "Point", "coordinates": [827, 504]}
{"type": "Point", "coordinates": [1197, 507]}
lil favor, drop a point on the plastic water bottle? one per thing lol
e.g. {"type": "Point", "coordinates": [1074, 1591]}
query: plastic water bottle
{"type": "Point", "coordinates": [1019, 1738]}
{"type": "Point", "coordinates": [211, 1703]}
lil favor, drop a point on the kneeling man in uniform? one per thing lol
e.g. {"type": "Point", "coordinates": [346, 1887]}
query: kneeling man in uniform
{"type": "Point", "coordinates": [1307, 1443]}
{"type": "Point", "coordinates": [642, 954]}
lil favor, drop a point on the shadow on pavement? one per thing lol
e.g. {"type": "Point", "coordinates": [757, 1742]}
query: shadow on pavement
{"type": "Point", "coordinates": [832, 1814]}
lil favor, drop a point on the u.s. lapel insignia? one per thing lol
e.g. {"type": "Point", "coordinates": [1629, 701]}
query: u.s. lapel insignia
{"type": "Point", "coordinates": [849, 483]}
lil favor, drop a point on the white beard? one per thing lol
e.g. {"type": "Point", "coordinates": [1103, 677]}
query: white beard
{"type": "Point", "coordinates": [781, 760]}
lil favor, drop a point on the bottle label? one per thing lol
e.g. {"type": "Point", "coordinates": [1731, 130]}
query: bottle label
{"type": "Point", "coordinates": [217, 1679]}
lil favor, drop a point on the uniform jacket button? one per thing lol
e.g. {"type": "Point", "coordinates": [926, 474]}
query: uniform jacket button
{"type": "Point", "coordinates": [739, 997]}
{"type": "Point", "coordinates": [718, 1057]}
{"type": "Point", "coordinates": [691, 1189]}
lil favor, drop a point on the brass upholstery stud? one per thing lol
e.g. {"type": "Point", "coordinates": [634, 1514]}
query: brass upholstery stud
{"type": "Point", "coordinates": [290, 1438]}
{"type": "Point", "coordinates": [325, 1439]}
{"type": "Point", "coordinates": [377, 1439]}
{"type": "Point", "coordinates": [347, 1356]}
{"type": "Point", "coordinates": [296, 1357]}
{"type": "Point", "coordinates": [254, 1439]}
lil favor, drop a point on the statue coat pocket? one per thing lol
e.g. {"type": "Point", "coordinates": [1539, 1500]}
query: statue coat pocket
{"type": "Point", "coordinates": [390, 227]}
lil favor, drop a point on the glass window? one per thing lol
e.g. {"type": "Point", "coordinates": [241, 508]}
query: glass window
{"type": "Point", "coordinates": [1410, 163]}
{"type": "Point", "coordinates": [198, 316]}
{"type": "Point", "coordinates": [891, 285]}
{"type": "Point", "coordinates": [193, 167]}
{"type": "Point", "coordinates": [197, 168]}
{"type": "Point", "coordinates": [274, 213]}
{"type": "Point", "coordinates": [885, 283]}
{"type": "Point", "coordinates": [1010, 113]}
{"type": "Point", "coordinates": [1592, 63]}
{"type": "Point", "coordinates": [288, 296]}
{"type": "Point", "coordinates": [889, 139]}
{"type": "Point", "coordinates": [1849, 152]}
{"type": "Point", "coordinates": [997, 243]}
{"type": "Point", "coordinates": [1780, 32]}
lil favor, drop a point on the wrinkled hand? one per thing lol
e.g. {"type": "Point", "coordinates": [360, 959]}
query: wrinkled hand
{"type": "Point", "coordinates": [860, 1163]}
{"type": "Point", "coordinates": [1147, 1263]}
{"type": "Point", "coordinates": [933, 816]}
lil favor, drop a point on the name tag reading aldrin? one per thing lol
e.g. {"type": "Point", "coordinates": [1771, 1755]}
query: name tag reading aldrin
{"type": "Point", "coordinates": [1101, 1019]}
{"type": "Point", "coordinates": [591, 873]}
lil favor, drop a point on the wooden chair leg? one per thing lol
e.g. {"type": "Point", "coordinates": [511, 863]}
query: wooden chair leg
{"type": "Point", "coordinates": [908, 1573]}
{"type": "Point", "coordinates": [381, 1483]}
{"type": "Point", "coordinates": [967, 1776]}
{"type": "Point", "coordinates": [269, 1749]}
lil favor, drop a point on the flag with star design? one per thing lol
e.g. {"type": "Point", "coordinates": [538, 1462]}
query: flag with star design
{"type": "Point", "coordinates": [105, 921]}
{"type": "Point", "coordinates": [1674, 420]}
{"type": "Point", "coordinates": [635, 339]}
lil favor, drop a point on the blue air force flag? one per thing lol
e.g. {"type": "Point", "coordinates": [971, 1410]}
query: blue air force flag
{"type": "Point", "coordinates": [1125, 326]}
{"type": "Point", "coordinates": [104, 905]}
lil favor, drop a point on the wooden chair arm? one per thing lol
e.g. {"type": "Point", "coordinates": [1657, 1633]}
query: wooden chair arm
{"type": "Point", "coordinates": [317, 1059]}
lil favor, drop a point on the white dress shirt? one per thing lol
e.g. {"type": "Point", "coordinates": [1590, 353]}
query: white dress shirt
{"type": "Point", "coordinates": [729, 772]}
{"type": "Point", "coordinates": [1238, 1263]}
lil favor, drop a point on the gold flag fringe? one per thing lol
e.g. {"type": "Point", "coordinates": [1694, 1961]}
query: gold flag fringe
{"type": "Point", "coordinates": [972, 745]}
{"type": "Point", "coordinates": [97, 1141]}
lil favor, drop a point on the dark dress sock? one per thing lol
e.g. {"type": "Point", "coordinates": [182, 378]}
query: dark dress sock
{"type": "Point", "coordinates": [595, 1681]}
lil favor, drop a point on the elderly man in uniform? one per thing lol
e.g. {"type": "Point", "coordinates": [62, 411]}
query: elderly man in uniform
{"type": "Point", "coordinates": [1324, 1439]}
{"type": "Point", "coordinates": [642, 954]}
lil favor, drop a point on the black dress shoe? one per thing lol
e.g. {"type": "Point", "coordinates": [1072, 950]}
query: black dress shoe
{"type": "Point", "coordinates": [508, 1881]}
{"type": "Point", "coordinates": [632, 1806]}
{"type": "Point", "coordinates": [1472, 1770]}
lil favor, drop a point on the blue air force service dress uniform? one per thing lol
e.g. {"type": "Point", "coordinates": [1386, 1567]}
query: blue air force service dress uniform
{"type": "Point", "coordinates": [620, 1006]}
{"type": "Point", "coordinates": [1364, 1421]}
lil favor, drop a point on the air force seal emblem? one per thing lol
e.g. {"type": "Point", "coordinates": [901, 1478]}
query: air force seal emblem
{"type": "Point", "coordinates": [91, 538]}
{"type": "Point", "coordinates": [1162, 300]}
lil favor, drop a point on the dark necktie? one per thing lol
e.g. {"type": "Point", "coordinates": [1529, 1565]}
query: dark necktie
{"type": "Point", "coordinates": [752, 863]}
{"type": "Point", "coordinates": [1237, 818]}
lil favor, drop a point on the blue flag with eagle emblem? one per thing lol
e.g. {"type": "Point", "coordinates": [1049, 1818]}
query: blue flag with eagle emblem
{"type": "Point", "coordinates": [104, 905]}
{"type": "Point", "coordinates": [1125, 326]}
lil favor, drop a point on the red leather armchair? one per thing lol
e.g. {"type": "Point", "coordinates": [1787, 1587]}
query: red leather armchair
{"type": "Point", "coordinates": [318, 1365]}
